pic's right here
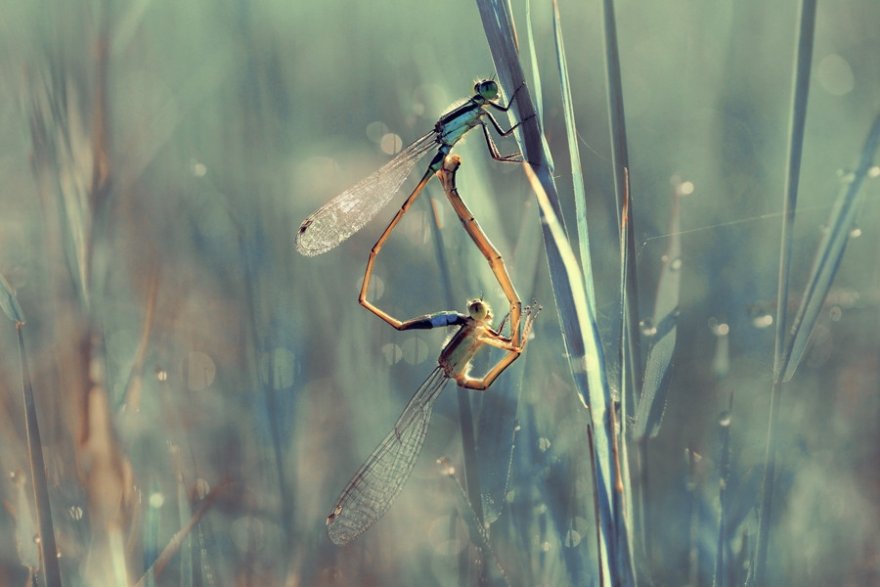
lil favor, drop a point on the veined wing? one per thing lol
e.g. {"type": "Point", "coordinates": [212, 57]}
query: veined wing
{"type": "Point", "coordinates": [348, 212]}
{"type": "Point", "coordinates": [373, 488]}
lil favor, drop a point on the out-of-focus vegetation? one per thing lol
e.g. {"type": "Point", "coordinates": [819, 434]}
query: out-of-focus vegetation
{"type": "Point", "coordinates": [203, 392]}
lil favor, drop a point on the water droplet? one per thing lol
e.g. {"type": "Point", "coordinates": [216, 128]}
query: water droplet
{"type": "Point", "coordinates": [856, 232]}
{"type": "Point", "coordinates": [572, 538]}
{"type": "Point", "coordinates": [157, 500]}
{"type": "Point", "coordinates": [686, 188]}
{"type": "Point", "coordinates": [675, 264]}
{"type": "Point", "coordinates": [199, 169]}
{"type": "Point", "coordinates": [760, 315]}
{"type": "Point", "coordinates": [37, 539]}
{"type": "Point", "coordinates": [835, 313]}
{"type": "Point", "coordinates": [75, 512]}
{"type": "Point", "coordinates": [762, 321]}
{"type": "Point", "coordinates": [874, 172]}
{"type": "Point", "coordinates": [724, 419]}
{"type": "Point", "coordinates": [648, 327]}
{"type": "Point", "coordinates": [510, 496]}
{"type": "Point", "coordinates": [161, 374]}
{"type": "Point", "coordinates": [719, 328]}
{"type": "Point", "coordinates": [545, 546]}
{"type": "Point", "coordinates": [446, 467]}
{"type": "Point", "coordinates": [543, 444]}
{"type": "Point", "coordinates": [390, 143]}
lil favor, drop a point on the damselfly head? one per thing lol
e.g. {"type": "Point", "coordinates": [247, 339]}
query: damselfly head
{"type": "Point", "coordinates": [479, 310]}
{"type": "Point", "coordinates": [487, 88]}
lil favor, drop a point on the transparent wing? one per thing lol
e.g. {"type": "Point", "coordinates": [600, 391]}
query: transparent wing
{"type": "Point", "coordinates": [348, 212]}
{"type": "Point", "coordinates": [373, 488]}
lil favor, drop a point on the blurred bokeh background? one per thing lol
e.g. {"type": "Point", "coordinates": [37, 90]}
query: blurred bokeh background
{"type": "Point", "coordinates": [194, 374]}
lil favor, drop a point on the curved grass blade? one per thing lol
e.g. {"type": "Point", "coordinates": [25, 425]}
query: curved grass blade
{"type": "Point", "coordinates": [652, 401]}
{"type": "Point", "coordinates": [577, 174]}
{"type": "Point", "coordinates": [829, 254]}
{"type": "Point", "coordinates": [580, 332]}
{"type": "Point", "coordinates": [593, 361]}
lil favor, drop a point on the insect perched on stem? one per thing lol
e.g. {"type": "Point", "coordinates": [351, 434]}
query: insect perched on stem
{"type": "Point", "coordinates": [348, 212]}
{"type": "Point", "coordinates": [376, 484]}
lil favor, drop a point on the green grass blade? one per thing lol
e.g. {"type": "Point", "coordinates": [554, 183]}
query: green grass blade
{"type": "Point", "coordinates": [576, 317]}
{"type": "Point", "coordinates": [829, 254]}
{"type": "Point", "coordinates": [789, 205]}
{"type": "Point", "coordinates": [533, 59]}
{"type": "Point", "coordinates": [577, 174]}
{"type": "Point", "coordinates": [721, 566]}
{"type": "Point", "coordinates": [620, 165]}
{"type": "Point", "coordinates": [623, 500]}
{"type": "Point", "coordinates": [631, 355]}
{"type": "Point", "coordinates": [48, 550]}
{"type": "Point", "coordinates": [795, 149]}
{"type": "Point", "coordinates": [593, 361]}
{"type": "Point", "coordinates": [652, 401]}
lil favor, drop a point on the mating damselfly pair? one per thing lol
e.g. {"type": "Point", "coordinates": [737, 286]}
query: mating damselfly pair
{"type": "Point", "coordinates": [373, 488]}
